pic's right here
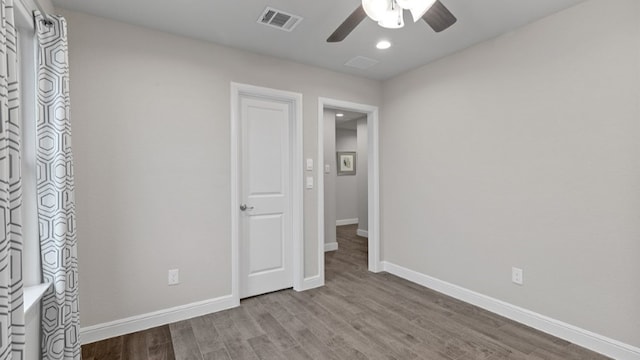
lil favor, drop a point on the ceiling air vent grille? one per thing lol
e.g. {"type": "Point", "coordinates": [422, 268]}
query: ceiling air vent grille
{"type": "Point", "coordinates": [361, 62]}
{"type": "Point", "coordinates": [279, 19]}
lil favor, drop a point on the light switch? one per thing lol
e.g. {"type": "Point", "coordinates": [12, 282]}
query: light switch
{"type": "Point", "coordinates": [309, 164]}
{"type": "Point", "coordinates": [327, 169]}
{"type": "Point", "coordinates": [309, 182]}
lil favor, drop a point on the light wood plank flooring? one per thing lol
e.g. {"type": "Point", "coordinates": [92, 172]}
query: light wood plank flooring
{"type": "Point", "coordinates": [357, 315]}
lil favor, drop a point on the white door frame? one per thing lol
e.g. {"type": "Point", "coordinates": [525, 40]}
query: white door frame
{"type": "Point", "coordinates": [373, 178]}
{"type": "Point", "coordinates": [295, 99]}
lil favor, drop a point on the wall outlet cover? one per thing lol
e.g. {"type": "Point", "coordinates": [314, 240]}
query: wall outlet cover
{"type": "Point", "coordinates": [174, 277]}
{"type": "Point", "coordinates": [517, 276]}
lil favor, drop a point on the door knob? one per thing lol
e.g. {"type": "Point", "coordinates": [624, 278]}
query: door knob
{"type": "Point", "coordinates": [244, 207]}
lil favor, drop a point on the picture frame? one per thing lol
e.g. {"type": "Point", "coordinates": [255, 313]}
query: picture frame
{"type": "Point", "coordinates": [346, 161]}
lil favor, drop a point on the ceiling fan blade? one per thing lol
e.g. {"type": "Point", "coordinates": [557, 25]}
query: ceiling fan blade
{"type": "Point", "coordinates": [348, 25]}
{"type": "Point", "coordinates": [439, 17]}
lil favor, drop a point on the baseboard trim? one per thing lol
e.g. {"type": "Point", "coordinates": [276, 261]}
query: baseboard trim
{"type": "Point", "coordinates": [346, 222]}
{"type": "Point", "coordinates": [136, 323]}
{"type": "Point", "coordinates": [330, 246]}
{"type": "Point", "coordinates": [363, 233]}
{"type": "Point", "coordinates": [585, 338]}
{"type": "Point", "coordinates": [312, 283]}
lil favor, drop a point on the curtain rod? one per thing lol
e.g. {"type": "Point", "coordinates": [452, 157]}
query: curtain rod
{"type": "Point", "coordinates": [47, 19]}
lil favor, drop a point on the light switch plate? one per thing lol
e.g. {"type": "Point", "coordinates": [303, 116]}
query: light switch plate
{"type": "Point", "coordinates": [327, 169]}
{"type": "Point", "coordinates": [309, 182]}
{"type": "Point", "coordinates": [309, 164]}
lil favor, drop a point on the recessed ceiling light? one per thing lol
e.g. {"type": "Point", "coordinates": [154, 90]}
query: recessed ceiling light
{"type": "Point", "coordinates": [383, 44]}
{"type": "Point", "coordinates": [339, 115]}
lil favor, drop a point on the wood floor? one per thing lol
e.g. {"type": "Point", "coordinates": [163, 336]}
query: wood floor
{"type": "Point", "coordinates": [357, 315]}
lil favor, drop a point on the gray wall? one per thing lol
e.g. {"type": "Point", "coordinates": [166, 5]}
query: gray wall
{"type": "Point", "coordinates": [346, 185]}
{"type": "Point", "coordinates": [150, 116]}
{"type": "Point", "coordinates": [523, 151]}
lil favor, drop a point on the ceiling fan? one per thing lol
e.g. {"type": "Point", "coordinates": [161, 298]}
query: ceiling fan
{"type": "Point", "coordinates": [389, 14]}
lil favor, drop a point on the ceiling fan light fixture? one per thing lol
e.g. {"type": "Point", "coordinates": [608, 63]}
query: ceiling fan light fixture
{"type": "Point", "coordinates": [420, 7]}
{"type": "Point", "coordinates": [389, 14]}
{"type": "Point", "coordinates": [409, 4]}
{"type": "Point", "coordinates": [392, 19]}
{"type": "Point", "coordinates": [375, 9]}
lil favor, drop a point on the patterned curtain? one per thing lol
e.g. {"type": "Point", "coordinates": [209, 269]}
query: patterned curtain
{"type": "Point", "coordinates": [11, 303]}
{"type": "Point", "coordinates": [56, 205]}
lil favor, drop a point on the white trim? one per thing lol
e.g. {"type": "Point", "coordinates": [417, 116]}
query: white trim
{"type": "Point", "coordinates": [297, 171]}
{"type": "Point", "coordinates": [320, 192]}
{"type": "Point", "coordinates": [373, 178]}
{"type": "Point", "coordinates": [235, 204]}
{"type": "Point", "coordinates": [373, 233]}
{"type": "Point", "coordinates": [298, 195]}
{"type": "Point", "coordinates": [363, 233]}
{"type": "Point", "coordinates": [30, 5]}
{"type": "Point", "coordinates": [574, 334]}
{"type": "Point", "coordinates": [312, 282]}
{"type": "Point", "coordinates": [93, 333]}
{"type": "Point", "coordinates": [331, 246]}
{"type": "Point", "coordinates": [23, 13]}
{"type": "Point", "coordinates": [347, 222]}
{"type": "Point", "coordinates": [32, 294]}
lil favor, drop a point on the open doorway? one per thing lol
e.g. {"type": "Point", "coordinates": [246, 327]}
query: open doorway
{"type": "Point", "coordinates": [348, 204]}
{"type": "Point", "coordinates": [345, 177]}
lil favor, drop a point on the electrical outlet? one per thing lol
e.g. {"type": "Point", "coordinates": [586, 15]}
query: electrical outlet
{"type": "Point", "coordinates": [517, 276]}
{"type": "Point", "coordinates": [174, 277]}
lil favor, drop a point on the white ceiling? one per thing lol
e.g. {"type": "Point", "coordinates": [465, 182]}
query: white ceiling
{"type": "Point", "coordinates": [233, 23]}
{"type": "Point", "coordinates": [348, 120]}
{"type": "Point", "coordinates": [348, 115]}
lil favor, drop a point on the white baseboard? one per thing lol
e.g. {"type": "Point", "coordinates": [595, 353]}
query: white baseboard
{"type": "Point", "coordinates": [346, 222]}
{"type": "Point", "coordinates": [312, 282]}
{"type": "Point", "coordinates": [136, 323]}
{"type": "Point", "coordinates": [331, 246]}
{"type": "Point", "coordinates": [363, 233]}
{"type": "Point", "coordinates": [585, 338]}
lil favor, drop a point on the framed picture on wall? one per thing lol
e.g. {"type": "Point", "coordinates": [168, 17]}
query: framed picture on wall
{"type": "Point", "coordinates": [346, 163]}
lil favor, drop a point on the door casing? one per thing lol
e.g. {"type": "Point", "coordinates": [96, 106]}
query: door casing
{"type": "Point", "coordinates": [373, 180]}
{"type": "Point", "coordinates": [296, 172]}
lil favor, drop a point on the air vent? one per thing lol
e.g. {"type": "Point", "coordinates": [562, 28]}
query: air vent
{"type": "Point", "coordinates": [361, 62]}
{"type": "Point", "coordinates": [279, 19]}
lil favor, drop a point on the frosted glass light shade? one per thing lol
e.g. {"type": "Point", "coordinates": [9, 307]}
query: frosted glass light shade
{"type": "Point", "coordinates": [392, 19]}
{"type": "Point", "coordinates": [408, 4]}
{"type": "Point", "coordinates": [376, 9]}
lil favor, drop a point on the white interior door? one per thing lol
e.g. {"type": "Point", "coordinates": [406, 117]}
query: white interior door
{"type": "Point", "coordinates": [265, 196]}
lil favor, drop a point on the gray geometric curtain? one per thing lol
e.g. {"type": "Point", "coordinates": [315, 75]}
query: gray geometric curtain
{"type": "Point", "coordinates": [56, 205]}
{"type": "Point", "coordinates": [11, 303]}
